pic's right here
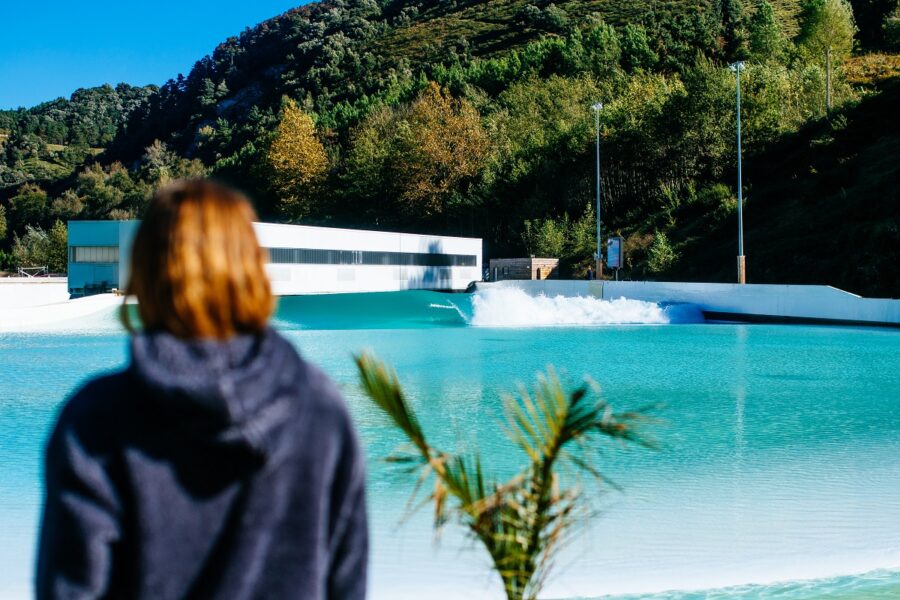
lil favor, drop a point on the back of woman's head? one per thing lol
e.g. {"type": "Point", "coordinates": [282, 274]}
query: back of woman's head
{"type": "Point", "coordinates": [197, 269]}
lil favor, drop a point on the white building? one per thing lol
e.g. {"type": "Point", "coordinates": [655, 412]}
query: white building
{"type": "Point", "coordinates": [303, 260]}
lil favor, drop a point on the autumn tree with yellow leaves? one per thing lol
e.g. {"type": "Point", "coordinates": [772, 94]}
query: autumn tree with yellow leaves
{"type": "Point", "coordinates": [442, 146]}
{"type": "Point", "coordinates": [297, 160]}
{"type": "Point", "coordinates": [421, 155]}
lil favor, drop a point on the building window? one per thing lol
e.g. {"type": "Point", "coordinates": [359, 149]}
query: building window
{"type": "Point", "coordinates": [309, 256]}
{"type": "Point", "coordinates": [94, 254]}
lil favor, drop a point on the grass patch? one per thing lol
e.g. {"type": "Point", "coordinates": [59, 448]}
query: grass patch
{"type": "Point", "coordinates": [872, 69]}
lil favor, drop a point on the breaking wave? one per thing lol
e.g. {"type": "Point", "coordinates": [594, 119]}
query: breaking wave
{"type": "Point", "coordinates": [511, 307]}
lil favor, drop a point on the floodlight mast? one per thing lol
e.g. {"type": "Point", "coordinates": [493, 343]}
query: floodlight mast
{"type": "Point", "coordinates": [741, 259]}
{"type": "Point", "coordinates": [597, 107]}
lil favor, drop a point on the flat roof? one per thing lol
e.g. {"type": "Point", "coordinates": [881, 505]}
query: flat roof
{"type": "Point", "coordinates": [295, 225]}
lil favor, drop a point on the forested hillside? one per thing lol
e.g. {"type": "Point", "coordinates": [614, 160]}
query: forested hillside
{"type": "Point", "coordinates": [473, 117]}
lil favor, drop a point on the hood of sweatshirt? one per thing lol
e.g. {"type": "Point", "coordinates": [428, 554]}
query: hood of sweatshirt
{"type": "Point", "coordinates": [233, 393]}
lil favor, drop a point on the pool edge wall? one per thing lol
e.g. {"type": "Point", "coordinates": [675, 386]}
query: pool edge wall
{"type": "Point", "coordinates": [753, 303]}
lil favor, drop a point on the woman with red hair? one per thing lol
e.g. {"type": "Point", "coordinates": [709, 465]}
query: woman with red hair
{"type": "Point", "coordinates": [218, 463]}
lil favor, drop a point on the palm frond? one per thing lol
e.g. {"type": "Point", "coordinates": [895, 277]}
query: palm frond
{"type": "Point", "coordinates": [524, 521]}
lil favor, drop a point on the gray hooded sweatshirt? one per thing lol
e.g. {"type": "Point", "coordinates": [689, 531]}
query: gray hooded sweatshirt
{"type": "Point", "coordinates": [205, 469]}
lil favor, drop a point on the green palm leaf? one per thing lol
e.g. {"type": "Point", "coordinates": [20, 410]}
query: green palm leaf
{"type": "Point", "coordinates": [523, 521]}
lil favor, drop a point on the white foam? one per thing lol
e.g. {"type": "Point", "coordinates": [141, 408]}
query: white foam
{"type": "Point", "coordinates": [512, 307]}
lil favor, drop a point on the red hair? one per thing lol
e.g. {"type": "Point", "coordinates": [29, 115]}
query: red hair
{"type": "Point", "coordinates": [197, 269]}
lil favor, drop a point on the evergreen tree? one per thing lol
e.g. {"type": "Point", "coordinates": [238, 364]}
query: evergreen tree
{"type": "Point", "coordinates": [603, 48]}
{"type": "Point", "coordinates": [58, 248]}
{"type": "Point", "coordinates": [732, 29]}
{"type": "Point", "coordinates": [766, 41]}
{"type": "Point", "coordinates": [661, 255]}
{"type": "Point", "coordinates": [2, 223]}
{"type": "Point", "coordinates": [636, 51]}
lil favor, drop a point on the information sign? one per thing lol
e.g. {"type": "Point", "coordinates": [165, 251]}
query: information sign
{"type": "Point", "coordinates": [614, 252]}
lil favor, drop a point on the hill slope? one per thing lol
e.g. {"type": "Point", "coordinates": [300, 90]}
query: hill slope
{"type": "Point", "coordinates": [473, 117]}
{"type": "Point", "coordinates": [823, 207]}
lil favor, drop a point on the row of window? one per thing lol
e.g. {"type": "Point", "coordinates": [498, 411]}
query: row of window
{"type": "Point", "coordinates": [94, 254]}
{"type": "Point", "coordinates": [308, 256]}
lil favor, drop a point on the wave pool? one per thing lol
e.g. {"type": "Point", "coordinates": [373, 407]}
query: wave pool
{"type": "Point", "coordinates": [777, 474]}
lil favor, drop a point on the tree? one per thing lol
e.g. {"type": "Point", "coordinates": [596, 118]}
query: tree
{"type": "Point", "coordinates": [891, 29]}
{"type": "Point", "coordinates": [441, 146]}
{"type": "Point", "coordinates": [100, 194]}
{"type": "Point", "coordinates": [523, 521]}
{"type": "Point", "coordinates": [29, 205]}
{"type": "Point", "coordinates": [827, 31]}
{"type": "Point", "coordinates": [160, 165]}
{"type": "Point", "coordinates": [732, 17]}
{"type": "Point", "coordinates": [573, 241]}
{"type": "Point", "coordinates": [542, 122]}
{"type": "Point", "coordinates": [603, 48]}
{"type": "Point", "coordinates": [58, 247]}
{"type": "Point", "coordinates": [2, 223]}
{"type": "Point", "coordinates": [766, 42]}
{"type": "Point", "coordinates": [546, 238]}
{"type": "Point", "coordinates": [551, 18]}
{"type": "Point", "coordinates": [555, 18]}
{"type": "Point", "coordinates": [583, 235]}
{"type": "Point", "coordinates": [32, 249]}
{"type": "Point", "coordinates": [297, 160]}
{"type": "Point", "coordinates": [636, 51]}
{"type": "Point", "coordinates": [661, 256]}
{"type": "Point", "coordinates": [67, 206]}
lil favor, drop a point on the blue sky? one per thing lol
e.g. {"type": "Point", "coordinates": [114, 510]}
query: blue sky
{"type": "Point", "coordinates": [51, 48]}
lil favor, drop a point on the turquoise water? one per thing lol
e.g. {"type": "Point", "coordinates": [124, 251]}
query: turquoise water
{"type": "Point", "coordinates": [778, 459]}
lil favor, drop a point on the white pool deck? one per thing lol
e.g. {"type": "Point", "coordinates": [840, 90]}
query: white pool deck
{"type": "Point", "coordinates": [43, 303]}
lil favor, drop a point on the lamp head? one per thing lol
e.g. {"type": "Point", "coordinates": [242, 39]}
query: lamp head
{"type": "Point", "coordinates": [736, 66]}
{"type": "Point", "coordinates": [598, 106]}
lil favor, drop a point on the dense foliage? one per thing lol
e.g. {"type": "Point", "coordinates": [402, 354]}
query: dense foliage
{"type": "Point", "coordinates": [465, 117]}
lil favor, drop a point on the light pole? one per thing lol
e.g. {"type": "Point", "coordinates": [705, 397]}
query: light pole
{"type": "Point", "coordinates": [597, 108]}
{"type": "Point", "coordinates": [741, 260]}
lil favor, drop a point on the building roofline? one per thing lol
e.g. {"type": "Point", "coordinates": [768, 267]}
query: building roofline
{"type": "Point", "coordinates": [316, 227]}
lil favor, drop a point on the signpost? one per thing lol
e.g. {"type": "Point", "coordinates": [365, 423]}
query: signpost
{"type": "Point", "coordinates": [614, 253]}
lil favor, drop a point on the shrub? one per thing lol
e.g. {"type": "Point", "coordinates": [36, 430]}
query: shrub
{"type": "Point", "coordinates": [546, 237]}
{"type": "Point", "coordinates": [32, 249]}
{"type": "Point", "coordinates": [891, 29]}
{"type": "Point", "coordinates": [661, 256]}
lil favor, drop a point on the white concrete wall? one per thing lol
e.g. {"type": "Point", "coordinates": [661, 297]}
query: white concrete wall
{"type": "Point", "coordinates": [290, 279]}
{"type": "Point", "coordinates": [753, 301]}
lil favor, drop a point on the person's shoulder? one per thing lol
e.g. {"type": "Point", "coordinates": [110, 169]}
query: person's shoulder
{"type": "Point", "coordinates": [97, 403]}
